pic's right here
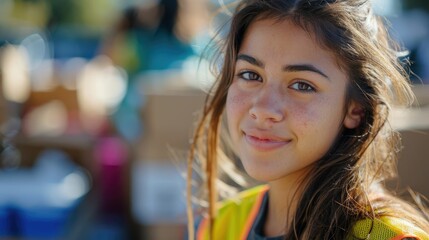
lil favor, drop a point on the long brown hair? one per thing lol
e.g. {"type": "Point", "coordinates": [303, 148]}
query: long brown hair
{"type": "Point", "coordinates": [346, 184]}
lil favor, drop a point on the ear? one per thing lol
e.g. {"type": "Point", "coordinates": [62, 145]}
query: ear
{"type": "Point", "coordinates": [354, 115]}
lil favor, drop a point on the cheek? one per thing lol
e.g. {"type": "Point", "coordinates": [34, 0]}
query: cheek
{"type": "Point", "coordinates": [235, 106]}
{"type": "Point", "coordinates": [321, 120]}
{"type": "Point", "coordinates": [235, 101]}
{"type": "Point", "coordinates": [304, 116]}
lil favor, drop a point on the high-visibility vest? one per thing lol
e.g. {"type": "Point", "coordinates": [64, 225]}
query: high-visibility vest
{"type": "Point", "coordinates": [236, 216]}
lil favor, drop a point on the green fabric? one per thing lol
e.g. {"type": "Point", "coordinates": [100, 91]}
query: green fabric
{"type": "Point", "coordinates": [369, 229]}
{"type": "Point", "coordinates": [233, 213]}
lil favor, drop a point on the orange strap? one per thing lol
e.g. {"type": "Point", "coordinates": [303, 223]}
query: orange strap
{"type": "Point", "coordinates": [201, 228]}
{"type": "Point", "coordinates": [201, 233]}
{"type": "Point", "coordinates": [252, 216]}
{"type": "Point", "coordinates": [403, 236]}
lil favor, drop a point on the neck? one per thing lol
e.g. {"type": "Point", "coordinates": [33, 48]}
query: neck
{"type": "Point", "coordinates": [284, 195]}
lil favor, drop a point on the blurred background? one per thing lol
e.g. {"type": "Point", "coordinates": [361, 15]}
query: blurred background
{"type": "Point", "coordinates": [97, 104]}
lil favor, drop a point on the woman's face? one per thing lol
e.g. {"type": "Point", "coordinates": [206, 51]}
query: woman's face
{"type": "Point", "coordinates": [285, 106]}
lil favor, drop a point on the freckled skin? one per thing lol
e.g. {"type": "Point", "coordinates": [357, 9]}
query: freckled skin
{"type": "Point", "coordinates": [272, 107]}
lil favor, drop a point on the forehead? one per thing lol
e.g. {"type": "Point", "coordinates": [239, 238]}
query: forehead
{"type": "Point", "coordinates": [286, 42]}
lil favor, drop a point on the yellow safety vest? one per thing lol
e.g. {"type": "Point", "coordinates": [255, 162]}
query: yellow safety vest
{"type": "Point", "coordinates": [236, 216]}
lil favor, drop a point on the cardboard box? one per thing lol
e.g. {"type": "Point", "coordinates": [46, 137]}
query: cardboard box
{"type": "Point", "coordinates": [413, 124]}
{"type": "Point", "coordinates": [158, 193]}
{"type": "Point", "coordinates": [169, 116]}
{"type": "Point", "coordinates": [413, 164]}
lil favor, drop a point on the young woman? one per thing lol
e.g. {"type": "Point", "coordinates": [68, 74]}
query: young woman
{"type": "Point", "coordinates": [305, 88]}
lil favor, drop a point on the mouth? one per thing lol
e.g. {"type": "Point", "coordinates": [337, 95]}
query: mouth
{"type": "Point", "coordinates": [264, 143]}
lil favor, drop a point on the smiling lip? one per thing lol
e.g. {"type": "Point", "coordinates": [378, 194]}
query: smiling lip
{"type": "Point", "coordinates": [264, 143]}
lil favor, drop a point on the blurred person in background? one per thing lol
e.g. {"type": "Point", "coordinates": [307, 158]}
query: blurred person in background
{"type": "Point", "coordinates": [148, 36]}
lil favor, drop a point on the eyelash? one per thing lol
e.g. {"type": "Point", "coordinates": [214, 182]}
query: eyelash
{"type": "Point", "coordinates": [242, 76]}
{"type": "Point", "coordinates": [299, 85]}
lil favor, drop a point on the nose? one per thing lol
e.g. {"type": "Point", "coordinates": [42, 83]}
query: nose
{"type": "Point", "coordinates": [267, 106]}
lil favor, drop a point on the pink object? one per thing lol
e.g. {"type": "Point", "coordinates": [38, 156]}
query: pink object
{"type": "Point", "coordinates": [111, 155]}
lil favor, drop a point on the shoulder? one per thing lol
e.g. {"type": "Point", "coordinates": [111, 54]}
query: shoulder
{"type": "Point", "coordinates": [241, 209]}
{"type": "Point", "coordinates": [242, 205]}
{"type": "Point", "coordinates": [243, 200]}
{"type": "Point", "coordinates": [388, 228]}
{"type": "Point", "coordinates": [235, 214]}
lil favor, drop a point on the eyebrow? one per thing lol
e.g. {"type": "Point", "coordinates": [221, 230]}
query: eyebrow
{"type": "Point", "coordinates": [286, 68]}
{"type": "Point", "coordinates": [250, 60]}
{"type": "Point", "coordinates": [304, 67]}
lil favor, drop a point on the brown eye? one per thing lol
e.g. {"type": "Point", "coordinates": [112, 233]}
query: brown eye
{"type": "Point", "coordinates": [250, 76]}
{"type": "Point", "coordinates": [303, 87]}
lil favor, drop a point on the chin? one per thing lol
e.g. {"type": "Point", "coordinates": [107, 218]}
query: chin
{"type": "Point", "coordinates": [262, 175]}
